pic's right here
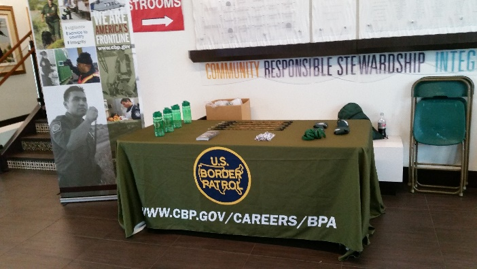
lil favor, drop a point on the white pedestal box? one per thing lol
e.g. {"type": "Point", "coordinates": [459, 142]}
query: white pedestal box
{"type": "Point", "coordinates": [388, 154]}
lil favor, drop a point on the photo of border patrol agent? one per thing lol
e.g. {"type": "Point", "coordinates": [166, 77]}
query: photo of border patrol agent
{"type": "Point", "coordinates": [49, 14]}
{"type": "Point", "coordinates": [132, 110]}
{"type": "Point", "coordinates": [84, 69]}
{"type": "Point", "coordinates": [74, 141]}
{"type": "Point", "coordinates": [124, 73]}
{"type": "Point", "coordinates": [46, 69]}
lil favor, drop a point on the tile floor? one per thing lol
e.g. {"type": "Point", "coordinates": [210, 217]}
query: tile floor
{"type": "Point", "coordinates": [36, 231]}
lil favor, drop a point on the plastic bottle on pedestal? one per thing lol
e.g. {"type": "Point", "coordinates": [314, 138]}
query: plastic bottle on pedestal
{"type": "Point", "coordinates": [382, 125]}
{"type": "Point", "coordinates": [168, 124]}
{"type": "Point", "coordinates": [186, 113]}
{"type": "Point", "coordinates": [176, 116]}
{"type": "Point", "coordinates": [158, 124]}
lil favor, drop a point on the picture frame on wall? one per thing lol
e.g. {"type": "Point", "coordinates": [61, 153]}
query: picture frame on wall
{"type": "Point", "coordinates": [8, 39]}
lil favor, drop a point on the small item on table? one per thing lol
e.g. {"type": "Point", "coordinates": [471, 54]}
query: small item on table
{"type": "Point", "coordinates": [342, 128]}
{"type": "Point", "coordinates": [207, 135]}
{"type": "Point", "coordinates": [315, 133]}
{"type": "Point", "coordinates": [322, 125]}
{"type": "Point", "coordinates": [267, 136]}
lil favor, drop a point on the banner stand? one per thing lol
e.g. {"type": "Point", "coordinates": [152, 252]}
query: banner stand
{"type": "Point", "coordinates": [88, 199]}
{"type": "Point", "coordinates": [86, 58]}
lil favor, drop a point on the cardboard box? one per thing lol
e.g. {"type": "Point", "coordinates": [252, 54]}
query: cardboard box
{"type": "Point", "coordinates": [241, 112]}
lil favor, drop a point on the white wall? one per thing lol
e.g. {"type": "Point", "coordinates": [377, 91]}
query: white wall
{"type": "Point", "coordinates": [167, 76]}
{"type": "Point", "coordinates": [7, 132]}
{"type": "Point", "coordinates": [19, 92]}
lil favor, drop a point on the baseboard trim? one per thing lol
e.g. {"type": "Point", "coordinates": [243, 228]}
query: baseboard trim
{"type": "Point", "coordinates": [446, 177]}
{"type": "Point", "coordinates": [389, 188]}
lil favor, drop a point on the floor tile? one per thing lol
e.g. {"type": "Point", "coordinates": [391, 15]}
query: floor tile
{"type": "Point", "coordinates": [56, 245]}
{"type": "Point", "coordinates": [264, 262]}
{"type": "Point", "coordinates": [6, 246]}
{"type": "Point", "coordinates": [81, 226]}
{"type": "Point", "coordinates": [400, 251]}
{"type": "Point", "coordinates": [17, 228]}
{"type": "Point", "coordinates": [183, 258]}
{"type": "Point", "coordinates": [148, 236]}
{"type": "Point", "coordinates": [458, 264]}
{"type": "Point", "coordinates": [42, 208]}
{"type": "Point", "coordinates": [403, 220]}
{"type": "Point", "coordinates": [215, 242]}
{"type": "Point", "coordinates": [119, 253]}
{"type": "Point", "coordinates": [29, 260]}
{"type": "Point", "coordinates": [406, 199]}
{"type": "Point", "coordinates": [454, 219]}
{"type": "Point", "coordinates": [91, 265]}
{"type": "Point", "coordinates": [442, 202]}
{"type": "Point", "coordinates": [300, 250]}
{"type": "Point", "coordinates": [456, 236]}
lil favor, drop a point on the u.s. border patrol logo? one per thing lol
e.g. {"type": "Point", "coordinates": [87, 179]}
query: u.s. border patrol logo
{"type": "Point", "coordinates": [56, 127]}
{"type": "Point", "coordinates": [222, 176]}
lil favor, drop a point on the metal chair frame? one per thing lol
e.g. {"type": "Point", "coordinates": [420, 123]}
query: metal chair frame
{"type": "Point", "coordinates": [415, 165]}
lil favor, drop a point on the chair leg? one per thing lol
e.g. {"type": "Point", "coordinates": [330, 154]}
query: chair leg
{"type": "Point", "coordinates": [463, 169]}
{"type": "Point", "coordinates": [465, 160]}
{"type": "Point", "coordinates": [409, 172]}
{"type": "Point", "coordinates": [412, 166]}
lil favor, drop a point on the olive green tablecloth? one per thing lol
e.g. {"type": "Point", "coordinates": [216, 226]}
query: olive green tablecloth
{"type": "Point", "coordinates": [325, 189]}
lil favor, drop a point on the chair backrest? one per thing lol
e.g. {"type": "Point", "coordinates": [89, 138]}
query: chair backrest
{"type": "Point", "coordinates": [440, 121]}
{"type": "Point", "coordinates": [435, 88]}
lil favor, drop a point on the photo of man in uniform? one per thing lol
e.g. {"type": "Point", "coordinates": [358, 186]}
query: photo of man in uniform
{"type": "Point", "coordinates": [84, 69]}
{"type": "Point", "coordinates": [117, 73]}
{"type": "Point", "coordinates": [132, 110]}
{"type": "Point", "coordinates": [49, 14]}
{"type": "Point", "coordinates": [124, 73]}
{"type": "Point", "coordinates": [46, 69]}
{"type": "Point", "coordinates": [73, 137]}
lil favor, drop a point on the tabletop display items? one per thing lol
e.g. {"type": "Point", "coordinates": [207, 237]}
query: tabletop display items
{"type": "Point", "coordinates": [176, 116]}
{"type": "Point", "coordinates": [158, 124]}
{"type": "Point", "coordinates": [186, 113]}
{"type": "Point", "coordinates": [207, 135]}
{"type": "Point", "coordinates": [168, 124]}
{"type": "Point", "coordinates": [342, 128]}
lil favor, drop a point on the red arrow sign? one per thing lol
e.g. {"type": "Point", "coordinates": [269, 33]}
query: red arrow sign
{"type": "Point", "coordinates": [156, 15]}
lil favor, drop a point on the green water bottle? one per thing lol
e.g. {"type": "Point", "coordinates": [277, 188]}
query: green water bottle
{"type": "Point", "coordinates": [168, 124]}
{"type": "Point", "coordinates": [186, 113]}
{"type": "Point", "coordinates": [158, 123]}
{"type": "Point", "coordinates": [176, 116]}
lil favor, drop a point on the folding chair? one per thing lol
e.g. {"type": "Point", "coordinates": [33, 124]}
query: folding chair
{"type": "Point", "coordinates": [440, 116]}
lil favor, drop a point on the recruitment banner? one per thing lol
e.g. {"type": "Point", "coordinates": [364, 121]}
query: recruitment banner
{"type": "Point", "coordinates": [85, 56]}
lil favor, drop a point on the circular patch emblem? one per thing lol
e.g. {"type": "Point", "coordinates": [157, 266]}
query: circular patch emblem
{"type": "Point", "coordinates": [222, 176]}
{"type": "Point", "coordinates": [56, 127]}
